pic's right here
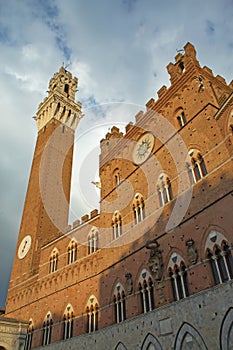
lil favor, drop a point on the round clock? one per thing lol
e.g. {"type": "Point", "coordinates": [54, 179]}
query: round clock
{"type": "Point", "coordinates": [24, 246]}
{"type": "Point", "coordinates": [143, 148]}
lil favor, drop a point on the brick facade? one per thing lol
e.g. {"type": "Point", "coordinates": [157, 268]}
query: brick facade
{"type": "Point", "coordinates": [162, 239]}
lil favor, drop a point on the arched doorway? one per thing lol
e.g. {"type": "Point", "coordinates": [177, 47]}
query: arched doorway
{"type": "Point", "coordinates": [151, 343]}
{"type": "Point", "coordinates": [226, 333]}
{"type": "Point", "coordinates": [189, 338]}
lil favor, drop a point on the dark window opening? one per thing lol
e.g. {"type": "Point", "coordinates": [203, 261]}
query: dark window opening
{"type": "Point", "coordinates": [181, 65]}
{"type": "Point", "coordinates": [66, 88]}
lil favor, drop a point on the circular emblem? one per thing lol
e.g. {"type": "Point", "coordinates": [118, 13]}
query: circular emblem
{"type": "Point", "coordinates": [24, 246]}
{"type": "Point", "coordinates": [143, 148]}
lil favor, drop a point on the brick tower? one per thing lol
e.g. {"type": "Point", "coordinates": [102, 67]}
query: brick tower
{"type": "Point", "coordinates": [153, 269]}
{"type": "Point", "coordinates": [46, 208]}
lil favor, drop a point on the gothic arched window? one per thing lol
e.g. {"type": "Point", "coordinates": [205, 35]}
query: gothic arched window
{"type": "Point", "coordinates": [53, 261]}
{"type": "Point", "coordinates": [138, 208]}
{"type": "Point", "coordinates": [47, 329]}
{"type": "Point", "coordinates": [119, 303]}
{"type": "Point", "coordinates": [221, 262]}
{"type": "Point", "coordinates": [72, 251]}
{"type": "Point", "coordinates": [28, 341]}
{"type": "Point", "coordinates": [179, 277]}
{"type": "Point", "coordinates": [68, 320]}
{"type": "Point", "coordinates": [92, 312]}
{"type": "Point", "coordinates": [93, 240]}
{"type": "Point", "coordinates": [181, 118]}
{"type": "Point", "coordinates": [146, 289]}
{"type": "Point", "coordinates": [164, 190]}
{"type": "Point", "coordinates": [218, 252]}
{"type": "Point", "coordinates": [116, 225]}
{"type": "Point", "coordinates": [196, 167]}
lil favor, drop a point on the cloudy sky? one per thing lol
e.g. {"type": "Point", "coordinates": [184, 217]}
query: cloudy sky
{"type": "Point", "coordinates": [118, 49]}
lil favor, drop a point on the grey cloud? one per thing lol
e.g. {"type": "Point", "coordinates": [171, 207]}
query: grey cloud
{"type": "Point", "coordinates": [115, 48]}
{"type": "Point", "coordinates": [129, 4]}
{"type": "Point", "coordinates": [210, 28]}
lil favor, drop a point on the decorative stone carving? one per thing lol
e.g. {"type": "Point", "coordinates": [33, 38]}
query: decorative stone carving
{"type": "Point", "coordinates": [192, 253]}
{"type": "Point", "coordinates": [155, 260]}
{"type": "Point", "coordinates": [160, 291]}
{"type": "Point", "coordinates": [129, 283]}
{"type": "Point", "coordinates": [12, 333]}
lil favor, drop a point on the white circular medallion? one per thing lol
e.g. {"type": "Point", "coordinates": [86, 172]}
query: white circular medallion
{"type": "Point", "coordinates": [24, 246]}
{"type": "Point", "coordinates": [143, 148]}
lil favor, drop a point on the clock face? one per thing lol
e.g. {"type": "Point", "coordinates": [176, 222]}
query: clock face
{"type": "Point", "coordinates": [143, 148]}
{"type": "Point", "coordinates": [24, 246]}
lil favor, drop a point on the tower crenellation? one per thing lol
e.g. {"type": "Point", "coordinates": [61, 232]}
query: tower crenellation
{"type": "Point", "coordinates": [64, 84]}
{"type": "Point", "coordinates": [60, 103]}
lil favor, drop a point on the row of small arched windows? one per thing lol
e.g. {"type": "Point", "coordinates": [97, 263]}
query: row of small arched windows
{"type": "Point", "coordinates": [92, 313]}
{"type": "Point", "coordinates": [221, 262]}
{"type": "Point", "coordinates": [196, 171]}
{"type": "Point", "coordinates": [68, 324]}
{"type": "Point", "coordinates": [73, 250]}
{"type": "Point", "coordinates": [139, 215]}
{"type": "Point", "coordinates": [165, 194]}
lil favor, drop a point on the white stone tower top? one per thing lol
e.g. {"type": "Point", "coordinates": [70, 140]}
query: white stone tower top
{"type": "Point", "coordinates": [60, 103]}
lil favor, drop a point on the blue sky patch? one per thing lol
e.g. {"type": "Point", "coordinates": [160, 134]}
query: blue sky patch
{"type": "Point", "coordinates": [64, 48]}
